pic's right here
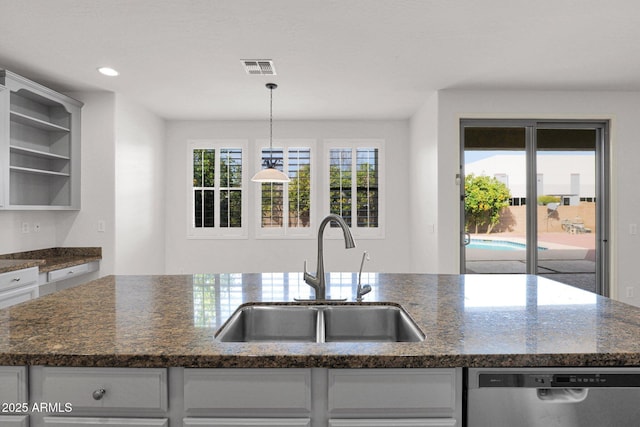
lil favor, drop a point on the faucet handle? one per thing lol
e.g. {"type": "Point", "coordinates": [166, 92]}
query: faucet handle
{"type": "Point", "coordinates": [308, 278]}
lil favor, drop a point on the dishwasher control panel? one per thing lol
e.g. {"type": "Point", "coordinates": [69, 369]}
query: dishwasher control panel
{"type": "Point", "coordinates": [551, 380]}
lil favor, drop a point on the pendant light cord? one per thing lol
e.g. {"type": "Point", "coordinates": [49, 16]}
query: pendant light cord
{"type": "Point", "coordinates": [271, 123]}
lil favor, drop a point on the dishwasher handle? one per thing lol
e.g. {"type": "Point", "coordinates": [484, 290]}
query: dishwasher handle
{"type": "Point", "coordinates": [562, 395]}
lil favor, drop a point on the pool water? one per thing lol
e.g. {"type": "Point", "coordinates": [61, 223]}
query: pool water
{"type": "Point", "coordinates": [499, 245]}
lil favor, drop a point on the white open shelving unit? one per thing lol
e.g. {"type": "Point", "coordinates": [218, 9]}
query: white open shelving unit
{"type": "Point", "coordinates": [40, 146]}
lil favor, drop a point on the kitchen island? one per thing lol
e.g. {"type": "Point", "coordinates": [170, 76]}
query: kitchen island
{"type": "Point", "coordinates": [468, 320]}
{"type": "Point", "coordinates": [142, 350]}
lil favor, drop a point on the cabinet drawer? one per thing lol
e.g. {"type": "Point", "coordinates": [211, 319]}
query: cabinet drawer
{"type": "Point", "coordinates": [110, 422]}
{"type": "Point", "coordinates": [393, 392]}
{"type": "Point", "coordinates": [18, 278]}
{"type": "Point", "coordinates": [14, 421]}
{"type": "Point", "coordinates": [18, 295]}
{"type": "Point", "coordinates": [247, 422]}
{"type": "Point", "coordinates": [396, 422]}
{"type": "Point", "coordinates": [13, 384]}
{"type": "Point", "coordinates": [67, 273]}
{"type": "Point", "coordinates": [140, 389]}
{"type": "Point", "coordinates": [247, 391]}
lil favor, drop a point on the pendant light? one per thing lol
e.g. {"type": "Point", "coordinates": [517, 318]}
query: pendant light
{"type": "Point", "coordinates": [271, 173]}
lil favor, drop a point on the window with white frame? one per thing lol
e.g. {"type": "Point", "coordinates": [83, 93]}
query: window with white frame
{"type": "Point", "coordinates": [218, 199]}
{"type": "Point", "coordinates": [354, 184]}
{"type": "Point", "coordinates": [285, 209]}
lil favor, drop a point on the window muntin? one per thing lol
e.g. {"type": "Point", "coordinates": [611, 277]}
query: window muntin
{"type": "Point", "coordinates": [285, 209]}
{"type": "Point", "coordinates": [367, 187]}
{"type": "Point", "coordinates": [231, 187]}
{"type": "Point", "coordinates": [340, 182]}
{"type": "Point", "coordinates": [299, 191]}
{"type": "Point", "coordinates": [203, 187]}
{"type": "Point", "coordinates": [218, 200]}
{"type": "Point", "coordinates": [272, 193]}
{"type": "Point", "coordinates": [354, 189]}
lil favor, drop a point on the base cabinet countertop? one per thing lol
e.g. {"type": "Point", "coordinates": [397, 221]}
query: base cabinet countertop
{"type": "Point", "coordinates": [142, 351]}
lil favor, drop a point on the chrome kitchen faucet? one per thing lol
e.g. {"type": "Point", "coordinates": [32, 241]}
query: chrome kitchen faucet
{"type": "Point", "coordinates": [317, 282]}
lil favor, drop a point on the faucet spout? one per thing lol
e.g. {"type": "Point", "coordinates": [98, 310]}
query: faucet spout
{"type": "Point", "coordinates": [317, 282]}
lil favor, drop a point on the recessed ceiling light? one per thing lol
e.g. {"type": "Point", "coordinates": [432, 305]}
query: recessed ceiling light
{"type": "Point", "coordinates": [108, 71]}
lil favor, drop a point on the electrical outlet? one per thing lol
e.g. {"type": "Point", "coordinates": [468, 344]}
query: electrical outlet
{"type": "Point", "coordinates": [629, 292]}
{"type": "Point", "coordinates": [633, 229]}
{"type": "Point", "coordinates": [25, 227]}
{"type": "Point", "coordinates": [36, 227]}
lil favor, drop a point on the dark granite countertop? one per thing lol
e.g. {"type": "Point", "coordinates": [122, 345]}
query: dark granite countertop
{"type": "Point", "coordinates": [49, 259]}
{"type": "Point", "coordinates": [469, 321]}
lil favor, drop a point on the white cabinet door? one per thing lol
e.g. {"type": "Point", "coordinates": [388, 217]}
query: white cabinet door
{"type": "Point", "coordinates": [139, 390]}
{"type": "Point", "coordinates": [13, 384]}
{"type": "Point", "coordinates": [398, 422]}
{"type": "Point", "coordinates": [247, 392]}
{"type": "Point", "coordinates": [18, 286]}
{"type": "Point", "coordinates": [109, 422]}
{"type": "Point", "coordinates": [378, 393]}
{"type": "Point", "coordinates": [18, 295]}
{"type": "Point", "coordinates": [14, 421]}
{"type": "Point", "coordinates": [247, 422]}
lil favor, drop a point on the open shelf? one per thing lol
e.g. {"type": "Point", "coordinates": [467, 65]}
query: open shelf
{"type": "Point", "coordinates": [41, 155]}
{"type": "Point", "coordinates": [37, 123]}
{"type": "Point", "coordinates": [37, 171]}
{"type": "Point", "coordinates": [37, 153]}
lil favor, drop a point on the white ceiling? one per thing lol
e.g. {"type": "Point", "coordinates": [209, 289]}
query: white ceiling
{"type": "Point", "coordinates": [335, 59]}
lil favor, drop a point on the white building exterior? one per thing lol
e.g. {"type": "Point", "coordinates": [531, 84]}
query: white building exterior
{"type": "Point", "coordinates": [570, 176]}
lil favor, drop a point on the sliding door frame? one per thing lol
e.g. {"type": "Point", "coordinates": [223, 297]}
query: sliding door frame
{"type": "Point", "coordinates": [602, 190]}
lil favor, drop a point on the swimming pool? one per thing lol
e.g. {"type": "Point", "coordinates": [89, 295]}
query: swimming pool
{"type": "Point", "coordinates": [499, 245]}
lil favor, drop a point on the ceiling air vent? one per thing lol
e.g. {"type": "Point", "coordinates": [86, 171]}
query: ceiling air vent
{"type": "Point", "coordinates": [259, 67]}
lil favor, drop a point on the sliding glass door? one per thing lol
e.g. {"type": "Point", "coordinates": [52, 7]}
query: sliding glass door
{"type": "Point", "coordinates": [534, 199]}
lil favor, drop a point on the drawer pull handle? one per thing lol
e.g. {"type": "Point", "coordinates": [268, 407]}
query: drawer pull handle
{"type": "Point", "coordinates": [70, 272]}
{"type": "Point", "coordinates": [99, 393]}
{"type": "Point", "coordinates": [16, 279]}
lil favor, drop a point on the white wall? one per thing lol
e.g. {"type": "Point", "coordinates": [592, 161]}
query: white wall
{"type": "Point", "coordinates": [139, 190]}
{"type": "Point", "coordinates": [98, 182]}
{"type": "Point", "coordinates": [260, 255]}
{"type": "Point", "coordinates": [12, 239]}
{"type": "Point", "coordinates": [424, 188]}
{"type": "Point", "coordinates": [624, 110]}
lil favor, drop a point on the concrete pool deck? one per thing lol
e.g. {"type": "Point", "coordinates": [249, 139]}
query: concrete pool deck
{"type": "Point", "coordinates": [569, 258]}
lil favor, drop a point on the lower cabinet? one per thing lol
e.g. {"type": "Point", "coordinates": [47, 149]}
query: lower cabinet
{"type": "Point", "coordinates": [14, 420]}
{"type": "Point", "coordinates": [243, 392]}
{"type": "Point", "coordinates": [397, 422]}
{"type": "Point", "coordinates": [109, 422]}
{"type": "Point", "coordinates": [84, 397]}
{"type": "Point", "coordinates": [246, 422]}
{"type": "Point", "coordinates": [173, 397]}
{"type": "Point", "coordinates": [18, 286]}
{"type": "Point", "coordinates": [13, 394]}
{"type": "Point", "coordinates": [394, 397]}
{"type": "Point", "coordinates": [321, 397]}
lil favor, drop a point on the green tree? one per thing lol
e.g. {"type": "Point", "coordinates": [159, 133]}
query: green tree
{"type": "Point", "coordinates": [300, 197]}
{"type": "Point", "coordinates": [485, 197]}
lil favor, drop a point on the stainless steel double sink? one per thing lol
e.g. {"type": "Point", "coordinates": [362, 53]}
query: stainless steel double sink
{"type": "Point", "coordinates": [320, 323]}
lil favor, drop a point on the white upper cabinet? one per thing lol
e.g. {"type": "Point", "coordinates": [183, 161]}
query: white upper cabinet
{"type": "Point", "coordinates": [39, 146]}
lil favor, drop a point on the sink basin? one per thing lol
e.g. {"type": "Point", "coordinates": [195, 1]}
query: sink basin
{"type": "Point", "coordinates": [385, 323]}
{"type": "Point", "coordinates": [320, 323]}
{"type": "Point", "coordinates": [271, 323]}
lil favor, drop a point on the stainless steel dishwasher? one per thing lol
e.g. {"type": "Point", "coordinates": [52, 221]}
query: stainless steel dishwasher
{"type": "Point", "coordinates": [557, 397]}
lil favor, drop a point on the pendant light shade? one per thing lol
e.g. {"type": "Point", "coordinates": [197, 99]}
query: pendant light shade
{"type": "Point", "coordinates": [271, 172]}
